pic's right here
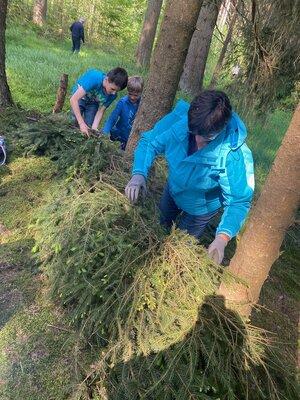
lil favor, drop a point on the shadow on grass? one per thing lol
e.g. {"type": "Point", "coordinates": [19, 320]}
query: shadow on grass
{"type": "Point", "coordinates": [220, 358]}
{"type": "Point", "coordinates": [17, 284]}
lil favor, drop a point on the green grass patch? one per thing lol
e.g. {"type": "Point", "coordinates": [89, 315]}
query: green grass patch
{"type": "Point", "coordinates": [38, 360]}
{"type": "Point", "coordinates": [264, 140]}
{"type": "Point", "coordinates": [34, 67]}
{"type": "Point", "coordinates": [23, 185]}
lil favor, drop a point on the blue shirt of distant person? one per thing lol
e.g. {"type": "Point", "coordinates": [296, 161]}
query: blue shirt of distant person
{"type": "Point", "coordinates": [77, 30]}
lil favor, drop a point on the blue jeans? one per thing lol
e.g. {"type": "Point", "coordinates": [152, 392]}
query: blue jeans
{"type": "Point", "coordinates": [194, 224]}
{"type": "Point", "coordinates": [88, 110]}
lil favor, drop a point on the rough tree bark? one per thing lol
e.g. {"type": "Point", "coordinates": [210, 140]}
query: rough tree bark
{"type": "Point", "coordinates": [273, 214]}
{"type": "Point", "coordinates": [39, 12]}
{"type": "Point", "coordinates": [145, 44]}
{"type": "Point", "coordinates": [166, 66]}
{"type": "Point", "coordinates": [5, 96]}
{"type": "Point", "coordinates": [227, 40]}
{"type": "Point", "coordinates": [192, 77]}
{"type": "Point", "coordinates": [61, 94]}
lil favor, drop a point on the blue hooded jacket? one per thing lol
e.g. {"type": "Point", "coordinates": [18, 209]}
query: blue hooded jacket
{"type": "Point", "coordinates": [121, 119]}
{"type": "Point", "coordinates": [219, 175]}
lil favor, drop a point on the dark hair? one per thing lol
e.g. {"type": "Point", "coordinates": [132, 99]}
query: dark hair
{"type": "Point", "coordinates": [118, 76]}
{"type": "Point", "coordinates": [209, 112]}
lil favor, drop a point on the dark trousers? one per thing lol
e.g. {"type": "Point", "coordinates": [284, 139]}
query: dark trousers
{"type": "Point", "coordinates": [115, 136]}
{"type": "Point", "coordinates": [194, 224]}
{"type": "Point", "coordinates": [88, 110]}
{"type": "Point", "coordinates": [76, 45]}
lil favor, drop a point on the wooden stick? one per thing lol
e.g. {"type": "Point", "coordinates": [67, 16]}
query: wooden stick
{"type": "Point", "coordinates": [61, 94]}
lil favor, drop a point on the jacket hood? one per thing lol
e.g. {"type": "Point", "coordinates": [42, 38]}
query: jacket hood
{"type": "Point", "coordinates": [236, 131]}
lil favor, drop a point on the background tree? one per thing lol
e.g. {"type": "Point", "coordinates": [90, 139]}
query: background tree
{"type": "Point", "coordinates": [273, 214]}
{"type": "Point", "coordinates": [145, 44]}
{"type": "Point", "coordinates": [172, 45]}
{"type": "Point", "coordinates": [218, 66]}
{"type": "Point", "coordinates": [223, 14]}
{"type": "Point", "coordinates": [194, 66]}
{"type": "Point", "coordinates": [39, 12]}
{"type": "Point", "coordinates": [270, 41]}
{"type": "Point", "coordinates": [5, 96]}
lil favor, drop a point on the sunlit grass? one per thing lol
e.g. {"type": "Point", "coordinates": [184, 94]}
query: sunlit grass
{"type": "Point", "coordinates": [264, 139]}
{"type": "Point", "coordinates": [34, 66]}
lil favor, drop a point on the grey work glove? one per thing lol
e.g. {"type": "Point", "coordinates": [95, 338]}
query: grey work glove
{"type": "Point", "coordinates": [135, 186]}
{"type": "Point", "coordinates": [216, 249]}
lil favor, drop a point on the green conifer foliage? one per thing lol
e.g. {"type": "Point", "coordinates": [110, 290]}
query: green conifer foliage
{"type": "Point", "coordinates": [144, 295]}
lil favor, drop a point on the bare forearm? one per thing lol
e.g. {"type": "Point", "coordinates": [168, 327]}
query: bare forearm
{"type": "Point", "coordinates": [76, 110]}
{"type": "Point", "coordinates": [98, 117]}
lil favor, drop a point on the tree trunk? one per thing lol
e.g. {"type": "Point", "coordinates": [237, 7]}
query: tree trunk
{"type": "Point", "coordinates": [144, 48]}
{"type": "Point", "coordinates": [5, 96]}
{"type": "Point", "coordinates": [227, 40]}
{"type": "Point", "coordinates": [166, 65]}
{"type": "Point", "coordinates": [194, 66]}
{"type": "Point", "coordinates": [39, 12]}
{"type": "Point", "coordinates": [224, 11]}
{"type": "Point", "coordinates": [61, 94]}
{"type": "Point", "coordinates": [273, 214]}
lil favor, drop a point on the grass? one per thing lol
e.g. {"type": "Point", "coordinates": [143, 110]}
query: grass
{"type": "Point", "coordinates": [34, 67]}
{"type": "Point", "coordinates": [38, 351]}
{"type": "Point", "coordinates": [264, 139]}
{"type": "Point", "coordinates": [40, 355]}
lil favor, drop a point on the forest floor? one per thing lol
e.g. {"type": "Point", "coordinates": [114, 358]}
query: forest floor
{"type": "Point", "coordinates": [41, 353]}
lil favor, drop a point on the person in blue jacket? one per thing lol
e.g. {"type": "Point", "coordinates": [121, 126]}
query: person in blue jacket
{"type": "Point", "coordinates": [210, 167]}
{"type": "Point", "coordinates": [77, 31]}
{"type": "Point", "coordinates": [120, 121]}
{"type": "Point", "coordinates": [93, 93]}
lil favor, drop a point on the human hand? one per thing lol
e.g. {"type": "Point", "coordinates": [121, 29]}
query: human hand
{"type": "Point", "coordinates": [216, 249]}
{"type": "Point", "coordinates": [95, 133]}
{"type": "Point", "coordinates": [136, 184]}
{"type": "Point", "coordinates": [84, 129]}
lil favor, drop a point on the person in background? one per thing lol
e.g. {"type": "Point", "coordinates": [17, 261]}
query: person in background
{"type": "Point", "coordinates": [93, 93]}
{"type": "Point", "coordinates": [120, 121]}
{"type": "Point", "coordinates": [210, 167]}
{"type": "Point", "coordinates": [77, 31]}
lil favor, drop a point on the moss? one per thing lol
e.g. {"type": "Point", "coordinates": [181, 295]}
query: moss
{"type": "Point", "coordinates": [23, 185]}
{"type": "Point", "coordinates": [38, 359]}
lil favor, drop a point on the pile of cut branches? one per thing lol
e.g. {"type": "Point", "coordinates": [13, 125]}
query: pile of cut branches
{"type": "Point", "coordinates": [145, 296]}
{"type": "Point", "coordinates": [73, 154]}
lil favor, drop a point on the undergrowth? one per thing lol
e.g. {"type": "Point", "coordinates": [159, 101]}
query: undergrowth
{"type": "Point", "coordinates": [142, 295]}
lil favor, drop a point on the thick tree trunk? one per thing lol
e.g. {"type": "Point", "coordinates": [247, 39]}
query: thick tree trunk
{"type": "Point", "coordinates": [5, 96]}
{"type": "Point", "coordinates": [227, 40]}
{"type": "Point", "coordinates": [39, 12]}
{"type": "Point", "coordinates": [61, 94]}
{"type": "Point", "coordinates": [166, 65]}
{"type": "Point", "coordinates": [273, 214]}
{"type": "Point", "coordinates": [194, 66]}
{"type": "Point", "coordinates": [144, 47]}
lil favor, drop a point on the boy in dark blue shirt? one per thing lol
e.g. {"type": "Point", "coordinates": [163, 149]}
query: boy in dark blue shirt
{"type": "Point", "coordinates": [120, 121]}
{"type": "Point", "coordinates": [93, 93]}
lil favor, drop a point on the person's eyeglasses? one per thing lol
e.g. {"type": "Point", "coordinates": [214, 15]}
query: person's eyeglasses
{"type": "Point", "coordinates": [209, 137]}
